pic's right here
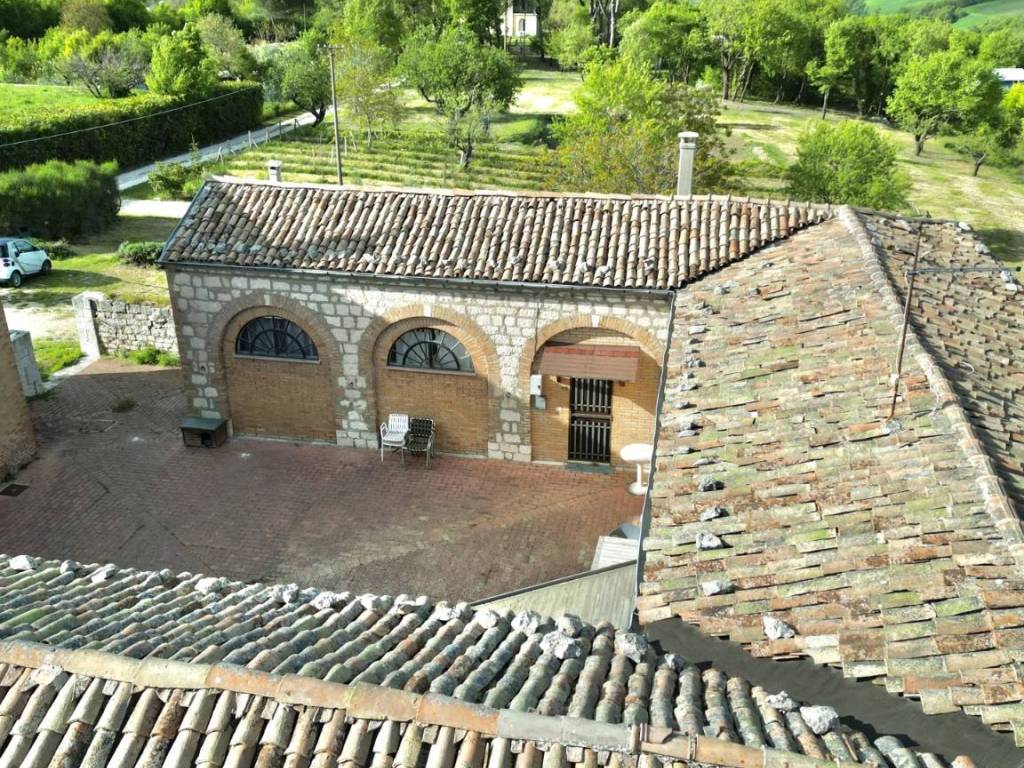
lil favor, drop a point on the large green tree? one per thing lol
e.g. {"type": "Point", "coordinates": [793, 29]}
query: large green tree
{"type": "Point", "coordinates": [623, 135]}
{"type": "Point", "coordinates": [110, 64]}
{"type": "Point", "coordinates": [225, 45]}
{"type": "Point", "coordinates": [848, 162]}
{"type": "Point", "coordinates": [946, 91]}
{"type": "Point", "coordinates": [302, 76]}
{"type": "Point", "coordinates": [669, 37]}
{"type": "Point", "coordinates": [465, 80]}
{"type": "Point", "coordinates": [180, 65]}
{"type": "Point", "coordinates": [365, 85]}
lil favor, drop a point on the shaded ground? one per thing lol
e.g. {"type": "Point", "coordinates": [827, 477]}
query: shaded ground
{"type": "Point", "coordinates": [121, 487]}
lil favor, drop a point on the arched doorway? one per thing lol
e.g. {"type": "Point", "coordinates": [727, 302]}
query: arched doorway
{"type": "Point", "coordinates": [279, 382]}
{"type": "Point", "coordinates": [599, 392]}
{"type": "Point", "coordinates": [432, 368]}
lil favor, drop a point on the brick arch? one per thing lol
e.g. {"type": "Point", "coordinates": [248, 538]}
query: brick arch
{"type": "Point", "coordinates": [646, 340]}
{"type": "Point", "coordinates": [233, 315]}
{"type": "Point", "coordinates": [378, 337]}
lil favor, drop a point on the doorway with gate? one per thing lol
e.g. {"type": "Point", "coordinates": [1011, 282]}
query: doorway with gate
{"type": "Point", "coordinates": [590, 420]}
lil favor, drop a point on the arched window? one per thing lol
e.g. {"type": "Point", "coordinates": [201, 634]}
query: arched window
{"type": "Point", "coordinates": [270, 336]}
{"type": "Point", "coordinates": [429, 348]}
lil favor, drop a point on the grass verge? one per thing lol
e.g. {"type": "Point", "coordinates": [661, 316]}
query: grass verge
{"type": "Point", "coordinates": [53, 355]}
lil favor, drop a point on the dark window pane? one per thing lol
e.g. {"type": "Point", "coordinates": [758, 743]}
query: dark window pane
{"type": "Point", "coordinates": [431, 349]}
{"type": "Point", "coordinates": [277, 337]}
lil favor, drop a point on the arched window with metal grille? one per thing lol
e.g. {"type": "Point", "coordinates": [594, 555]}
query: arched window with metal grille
{"type": "Point", "coordinates": [430, 349]}
{"type": "Point", "coordinates": [275, 337]}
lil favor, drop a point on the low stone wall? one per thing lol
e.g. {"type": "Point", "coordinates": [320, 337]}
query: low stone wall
{"type": "Point", "coordinates": [109, 326]}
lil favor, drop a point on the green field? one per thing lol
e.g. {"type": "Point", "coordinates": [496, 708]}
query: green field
{"type": "Point", "coordinates": [96, 267]}
{"type": "Point", "coordinates": [976, 14]}
{"type": "Point", "coordinates": [14, 96]}
{"type": "Point", "coordinates": [941, 181]}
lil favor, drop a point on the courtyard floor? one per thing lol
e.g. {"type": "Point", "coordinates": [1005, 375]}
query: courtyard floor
{"type": "Point", "coordinates": [113, 483]}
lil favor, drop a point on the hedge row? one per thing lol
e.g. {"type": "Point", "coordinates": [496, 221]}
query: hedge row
{"type": "Point", "coordinates": [228, 111]}
{"type": "Point", "coordinates": [57, 199]}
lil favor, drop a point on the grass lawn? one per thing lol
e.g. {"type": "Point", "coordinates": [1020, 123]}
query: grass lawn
{"type": "Point", "coordinates": [96, 268]}
{"type": "Point", "coordinates": [16, 96]}
{"type": "Point", "coordinates": [53, 355]}
{"type": "Point", "coordinates": [976, 14]}
{"type": "Point", "coordinates": [941, 181]}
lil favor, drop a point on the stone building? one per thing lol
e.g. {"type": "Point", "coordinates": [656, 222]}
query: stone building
{"type": "Point", "coordinates": [528, 326]}
{"type": "Point", "coordinates": [17, 442]}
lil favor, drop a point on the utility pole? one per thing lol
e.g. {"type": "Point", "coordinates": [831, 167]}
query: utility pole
{"type": "Point", "coordinates": [334, 101]}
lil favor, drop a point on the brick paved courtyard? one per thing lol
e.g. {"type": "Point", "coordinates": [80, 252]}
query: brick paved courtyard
{"type": "Point", "coordinates": [121, 487]}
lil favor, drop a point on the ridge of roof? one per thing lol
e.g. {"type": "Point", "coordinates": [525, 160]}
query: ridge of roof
{"type": "Point", "coordinates": [516, 193]}
{"type": "Point", "coordinates": [997, 499]}
{"type": "Point", "coordinates": [403, 659]}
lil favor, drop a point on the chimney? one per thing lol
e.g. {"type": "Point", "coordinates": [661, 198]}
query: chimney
{"type": "Point", "coordinates": [274, 170]}
{"type": "Point", "coordinates": [687, 150]}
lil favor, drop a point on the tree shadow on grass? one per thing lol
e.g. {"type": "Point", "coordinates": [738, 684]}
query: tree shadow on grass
{"type": "Point", "coordinates": [1006, 244]}
{"type": "Point", "coordinates": [56, 288]}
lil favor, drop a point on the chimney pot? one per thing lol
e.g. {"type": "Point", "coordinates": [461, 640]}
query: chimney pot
{"type": "Point", "coordinates": [274, 170]}
{"type": "Point", "coordinates": [687, 150]}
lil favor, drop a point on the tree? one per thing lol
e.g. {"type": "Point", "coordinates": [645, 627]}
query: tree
{"type": "Point", "coordinates": [569, 33]}
{"type": "Point", "coordinates": [180, 65]}
{"type": "Point", "coordinates": [623, 135]}
{"type": "Point", "coordinates": [28, 18]}
{"type": "Point", "coordinates": [1003, 47]}
{"type": "Point", "coordinates": [19, 60]}
{"type": "Point", "coordinates": [669, 37]}
{"type": "Point", "coordinates": [379, 21]}
{"type": "Point", "coordinates": [848, 162]}
{"type": "Point", "coordinates": [995, 139]}
{"type": "Point", "coordinates": [127, 14]}
{"type": "Point", "coordinates": [364, 81]}
{"type": "Point", "coordinates": [825, 78]}
{"type": "Point", "coordinates": [110, 65]}
{"type": "Point", "coordinates": [946, 91]}
{"type": "Point", "coordinates": [305, 77]}
{"type": "Point", "coordinates": [90, 15]}
{"type": "Point", "coordinates": [483, 17]}
{"type": "Point", "coordinates": [226, 47]}
{"type": "Point", "coordinates": [466, 81]}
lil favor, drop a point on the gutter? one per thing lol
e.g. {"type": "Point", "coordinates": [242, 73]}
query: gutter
{"type": "Point", "coordinates": [645, 513]}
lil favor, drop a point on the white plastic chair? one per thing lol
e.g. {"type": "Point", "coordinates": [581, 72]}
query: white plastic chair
{"type": "Point", "coordinates": [392, 434]}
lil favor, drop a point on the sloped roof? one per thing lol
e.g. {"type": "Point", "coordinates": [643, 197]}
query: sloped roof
{"type": "Point", "coordinates": [783, 490]}
{"type": "Point", "coordinates": [968, 311]}
{"type": "Point", "coordinates": [546, 238]}
{"type": "Point", "coordinates": [244, 684]}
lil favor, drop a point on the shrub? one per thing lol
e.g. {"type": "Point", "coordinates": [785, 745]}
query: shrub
{"type": "Point", "coordinates": [176, 181]}
{"type": "Point", "coordinates": [847, 162]}
{"type": "Point", "coordinates": [57, 199]}
{"type": "Point", "coordinates": [236, 108]}
{"type": "Point", "coordinates": [58, 249]}
{"type": "Point", "coordinates": [153, 356]}
{"type": "Point", "coordinates": [140, 253]}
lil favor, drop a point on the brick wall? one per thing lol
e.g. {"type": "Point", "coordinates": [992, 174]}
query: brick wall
{"type": "Point", "coordinates": [500, 326]}
{"type": "Point", "coordinates": [17, 442]}
{"type": "Point", "coordinates": [279, 398]}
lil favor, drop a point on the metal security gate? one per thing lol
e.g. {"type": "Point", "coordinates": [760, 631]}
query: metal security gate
{"type": "Point", "coordinates": [590, 420]}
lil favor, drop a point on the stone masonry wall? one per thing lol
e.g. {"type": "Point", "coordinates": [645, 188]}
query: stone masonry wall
{"type": "Point", "coordinates": [504, 325]}
{"type": "Point", "coordinates": [17, 442]}
{"type": "Point", "coordinates": [122, 327]}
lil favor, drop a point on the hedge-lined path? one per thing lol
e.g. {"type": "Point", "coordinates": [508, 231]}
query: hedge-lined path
{"type": "Point", "coordinates": [138, 176]}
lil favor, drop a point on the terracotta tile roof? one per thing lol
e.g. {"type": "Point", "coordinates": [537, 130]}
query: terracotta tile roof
{"type": "Point", "coordinates": [968, 311]}
{"type": "Point", "coordinates": [233, 674]}
{"type": "Point", "coordinates": [790, 514]}
{"type": "Point", "coordinates": [607, 241]}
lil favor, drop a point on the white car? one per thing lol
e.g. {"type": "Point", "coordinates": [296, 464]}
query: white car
{"type": "Point", "coordinates": [19, 258]}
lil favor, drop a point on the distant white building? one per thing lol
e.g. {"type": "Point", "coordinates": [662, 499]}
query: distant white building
{"type": "Point", "coordinates": [1010, 76]}
{"type": "Point", "coordinates": [520, 20]}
